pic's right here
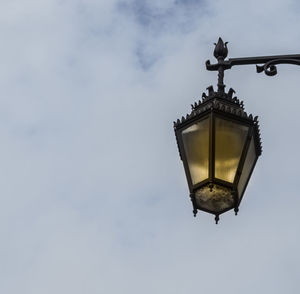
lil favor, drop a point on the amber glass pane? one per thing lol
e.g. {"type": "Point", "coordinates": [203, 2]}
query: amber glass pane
{"type": "Point", "coordinates": [247, 168]}
{"type": "Point", "coordinates": [196, 146]}
{"type": "Point", "coordinates": [230, 141]}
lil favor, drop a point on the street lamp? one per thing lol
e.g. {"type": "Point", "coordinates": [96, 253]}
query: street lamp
{"type": "Point", "coordinates": [218, 142]}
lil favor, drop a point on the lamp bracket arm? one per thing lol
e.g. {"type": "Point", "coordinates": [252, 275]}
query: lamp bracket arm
{"type": "Point", "coordinates": [265, 64]}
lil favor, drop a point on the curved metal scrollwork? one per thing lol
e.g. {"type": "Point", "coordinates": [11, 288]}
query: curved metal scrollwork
{"type": "Point", "coordinates": [263, 63]}
{"type": "Point", "coordinates": [270, 68]}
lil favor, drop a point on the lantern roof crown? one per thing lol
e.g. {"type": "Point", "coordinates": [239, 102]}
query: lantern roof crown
{"type": "Point", "coordinates": [224, 103]}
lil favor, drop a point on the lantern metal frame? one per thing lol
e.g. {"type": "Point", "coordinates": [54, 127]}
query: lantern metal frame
{"type": "Point", "coordinates": [227, 108]}
{"type": "Point", "coordinates": [224, 105]}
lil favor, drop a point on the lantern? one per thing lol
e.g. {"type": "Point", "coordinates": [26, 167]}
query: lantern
{"type": "Point", "coordinates": [219, 144]}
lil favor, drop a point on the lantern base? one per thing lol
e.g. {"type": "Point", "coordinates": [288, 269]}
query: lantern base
{"type": "Point", "coordinates": [214, 198]}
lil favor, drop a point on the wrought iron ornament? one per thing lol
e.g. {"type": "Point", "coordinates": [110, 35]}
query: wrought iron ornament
{"type": "Point", "coordinates": [263, 63]}
{"type": "Point", "coordinates": [212, 193]}
{"type": "Point", "coordinates": [217, 104]}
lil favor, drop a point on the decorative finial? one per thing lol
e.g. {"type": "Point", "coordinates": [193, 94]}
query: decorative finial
{"type": "Point", "coordinates": [195, 212]}
{"type": "Point", "coordinates": [217, 219]}
{"type": "Point", "coordinates": [221, 49]}
{"type": "Point", "coordinates": [236, 210]}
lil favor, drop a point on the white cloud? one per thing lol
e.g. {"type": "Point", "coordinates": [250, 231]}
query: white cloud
{"type": "Point", "coordinates": [93, 195]}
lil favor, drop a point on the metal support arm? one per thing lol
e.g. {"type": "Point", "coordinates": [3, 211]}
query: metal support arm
{"type": "Point", "coordinates": [263, 63]}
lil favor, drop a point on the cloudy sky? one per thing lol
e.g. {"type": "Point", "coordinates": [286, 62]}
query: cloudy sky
{"type": "Point", "coordinates": [93, 193]}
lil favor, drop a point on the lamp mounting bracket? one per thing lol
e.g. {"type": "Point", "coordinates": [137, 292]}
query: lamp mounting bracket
{"type": "Point", "coordinates": [265, 64]}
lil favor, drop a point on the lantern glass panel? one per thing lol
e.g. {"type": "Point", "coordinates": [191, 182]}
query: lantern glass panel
{"type": "Point", "coordinates": [247, 168]}
{"type": "Point", "coordinates": [196, 145]}
{"type": "Point", "coordinates": [230, 138]}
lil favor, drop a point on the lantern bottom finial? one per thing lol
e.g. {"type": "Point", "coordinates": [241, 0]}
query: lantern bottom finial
{"type": "Point", "coordinates": [217, 218]}
{"type": "Point", "coordinates": [236, 210]}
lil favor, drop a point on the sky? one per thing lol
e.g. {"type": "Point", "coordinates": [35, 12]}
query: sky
{"type": "Point", "coordinates": [93, 194]}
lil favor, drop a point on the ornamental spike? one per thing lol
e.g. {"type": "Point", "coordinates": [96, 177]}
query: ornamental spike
{"type": "Point", "coordinates": [217, 218]}
{"type": "Point", "coordinates": [230, 93]}
{"type": "Point", "coordinates": [221, 50]}
{"type": "Point", "coordinates": [210, 90]}
{"type": "Point", "coordinates": [236, 210]}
